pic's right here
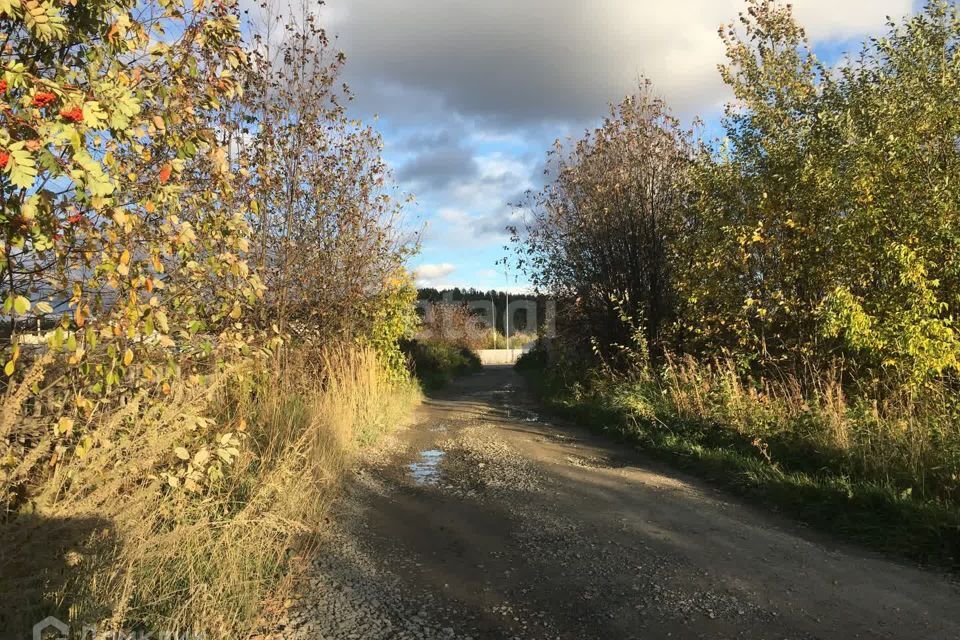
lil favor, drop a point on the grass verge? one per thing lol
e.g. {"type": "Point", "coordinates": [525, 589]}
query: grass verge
{"type": "Point", "coordinates": [780, 467]}
{"type": "Point", "coordinates": [183, 517]}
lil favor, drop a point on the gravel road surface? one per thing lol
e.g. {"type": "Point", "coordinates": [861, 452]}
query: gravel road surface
{"type": "Point", "coordinates": [485, 520]}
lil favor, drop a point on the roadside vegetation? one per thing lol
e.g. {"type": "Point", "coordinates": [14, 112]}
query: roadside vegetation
{"type": "Point", "coordinates": [436, 363]}
{"type": "Point", "coordinates": [203, 301]}
{"type": "Point", "coordinates": [776, 309]}
{"type": "Point", "coordinates": [445, 345]}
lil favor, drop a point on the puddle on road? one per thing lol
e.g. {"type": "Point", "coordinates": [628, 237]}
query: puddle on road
{"type": "Point", "coordinates": [426, 470]}
{"type": "Point", "coordinates": [522, 415]}
{"type": "Point", "coordinates": [500, 395]}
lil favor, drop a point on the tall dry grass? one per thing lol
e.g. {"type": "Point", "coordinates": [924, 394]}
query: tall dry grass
{"type": "Point", "coordinates": [493, 339]}
{"type": "Point", "coordinates": [894, 435]}
{"type": "Point", "coordinates": [108, 539]}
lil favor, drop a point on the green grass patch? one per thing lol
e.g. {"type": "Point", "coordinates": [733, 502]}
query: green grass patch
{"type": "Point", "coordinates": [785, 473]}
{"type": "Point", "coordinates": [435, 363]}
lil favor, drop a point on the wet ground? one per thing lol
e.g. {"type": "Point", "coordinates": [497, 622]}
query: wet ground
{"type": "Point", "coordinates": [484, 520]}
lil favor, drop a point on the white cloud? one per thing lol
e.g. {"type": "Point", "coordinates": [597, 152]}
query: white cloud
{"type": "Point", "coordinates": [517, 290]}
{"type": "Point", "coordinates": [431, 275]}
{"type": "Point", "coordinates": [455, 216]}
{"type": "Point", "coordinates": [499, 178]}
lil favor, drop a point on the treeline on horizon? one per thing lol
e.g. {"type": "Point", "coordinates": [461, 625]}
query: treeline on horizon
{"type": "Point", "coordinates": [780, 304]}
{"type": "Point", "coordinates": [458, 295]}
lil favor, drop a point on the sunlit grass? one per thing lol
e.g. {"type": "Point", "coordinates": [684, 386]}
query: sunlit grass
{"type": "Point", "coordinates": [107, 540]}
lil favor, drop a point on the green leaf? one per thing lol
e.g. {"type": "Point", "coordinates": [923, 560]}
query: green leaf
{"type": "Point", "coordinates": [93, 115]}
{"type": "Point", "coordinates": [21, 166]}
{"type": "Point", "coordinates": [44, 20]}
{"type": "Point", "coordinates": [21, 305]}
{"type": "Point", "coordinates": [10, 8]}
{"type": "Point", "coordinates": [93, 176]}
{"type": "Point", "coordinates": [123, 107]}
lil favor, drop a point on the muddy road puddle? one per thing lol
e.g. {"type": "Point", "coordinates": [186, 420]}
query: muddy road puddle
{"type": "Point", "coordinates": [425, 470]}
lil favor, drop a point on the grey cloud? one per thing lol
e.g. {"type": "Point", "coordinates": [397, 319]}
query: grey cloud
{"type": "Point", "coordinates": [438, 168]}
{"type": "Point", "coordinates": [510, 62]}
{"type": "Point", "coordinates": [496, 224]}
{"type": "Point", "coordinates": [432, 139]}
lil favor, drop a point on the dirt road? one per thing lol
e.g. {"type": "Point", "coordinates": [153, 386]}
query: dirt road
{"type": "Point", "coordinates": [484, 520]}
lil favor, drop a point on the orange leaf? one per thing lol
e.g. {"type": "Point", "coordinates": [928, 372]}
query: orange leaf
{"type": "Point", "coordinates": [165, 173]}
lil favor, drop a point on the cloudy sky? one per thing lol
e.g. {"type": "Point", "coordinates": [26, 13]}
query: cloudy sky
{"type": "Point", "coordinates": [470, 94]}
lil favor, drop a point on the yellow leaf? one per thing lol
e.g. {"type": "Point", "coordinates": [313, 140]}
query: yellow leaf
{"type": "Point", "coordinates": [128, 357]}
{"type": "Point", "coordinates": [77, 355]}
{"type": "Point", "coordinates": [182, 453]}
{"type": "Point", "coordinates": [21, 304]}
{"type": "Point", "coordinates": [65, 425]}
